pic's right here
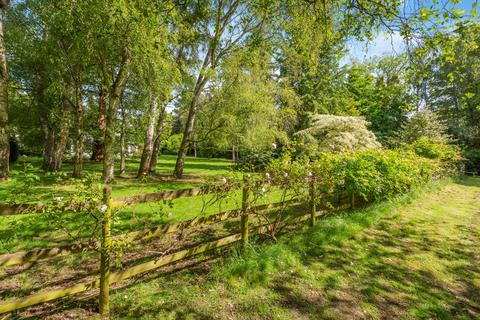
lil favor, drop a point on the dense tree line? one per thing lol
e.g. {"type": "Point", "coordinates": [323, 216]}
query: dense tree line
{"type": "Point", "coordinates": [108, 78]}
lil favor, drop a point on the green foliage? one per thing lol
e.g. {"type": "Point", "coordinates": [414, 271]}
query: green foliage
{"type": "Point", "coordinates": [472, 160]}
{"type": "Point", "coordinates": [435, 149]}
{"type": "Point", "coordinates": [371, 174]}
{"type": "Point", "coordinates": [381, 91]}
{"type": "Point", "coordinates": [423, 124]}
{"type": "Point", "coordinates": [172, 143]}
{"type": "Point", "coordinates": [453, 63]}
{"type": "Point", "coordinates": [338, 133]}
{"type": "Point", "coordinates": [240, 111]}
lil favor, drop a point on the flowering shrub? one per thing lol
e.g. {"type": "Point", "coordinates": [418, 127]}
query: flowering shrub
{"type": "Point", "coordinates": [368, 174]}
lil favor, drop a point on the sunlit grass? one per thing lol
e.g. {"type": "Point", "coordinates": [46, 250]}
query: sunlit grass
{"type": "Point", "coordinates": [412, 257]}
{"type": "Point", "coordinates": [51, 185]}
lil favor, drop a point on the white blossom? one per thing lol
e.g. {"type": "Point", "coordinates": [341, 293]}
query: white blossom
{"type": "Point", "coordinates": [267, 175]}
{"type": "Point", "coordinates": [170, 215]}
{"type": "Point", "coordinates": [103, 208]}
{"type": "Point", "coordinates": [274, 146]}
{"type": "Point", "coordinates": [224, 180]}
{"type": "Point", "coordinates": [264, 190]}
{"type": "Point", "coordinates": [285, 174]}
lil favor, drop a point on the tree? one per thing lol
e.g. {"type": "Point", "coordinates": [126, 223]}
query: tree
{"type": "Point", "coordinates": [382, 90]}
{"type": "Point", "coordinates": [4, 139]}
{"type": "Point", "coordinates": [338, 133]}
{"type": "Point", "coordinates": [454, 85]}
{"type": "Point", "coordinates": [158, 76]}
{"type": "Point", "coordinates": [46, 81]}
{"type": "Point", "coordinates": [239, 112]}
{"type": "Point", "coordinates": [225, 25]}
{"type": "Point", "coordinates": [423, 124]}
{"type": "Point", "coordinates": [125, 36]}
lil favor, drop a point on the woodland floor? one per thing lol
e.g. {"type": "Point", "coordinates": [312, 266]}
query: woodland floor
{"type": "Point", "coordinates": [415, 257]}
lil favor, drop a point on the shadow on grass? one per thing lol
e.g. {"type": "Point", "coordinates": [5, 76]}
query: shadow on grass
{"type": "Point", "coordinates": [366, 263]}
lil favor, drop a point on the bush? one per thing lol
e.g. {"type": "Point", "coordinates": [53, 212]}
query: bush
{"type": "Point", "coordinates": [377, 174]}
{"type": "Point", "coordinates": [424, 123]}
{"type": "Point", "coordinates": [338, 133]}
{"type": "Point", "coordinates": [448, 155]}
{"type": "Point", "coordinates": [472, 160]}
{"type": "Point", "coordinates": [172, 144]}
{"type": "Point", "coordinates": [370, 175]}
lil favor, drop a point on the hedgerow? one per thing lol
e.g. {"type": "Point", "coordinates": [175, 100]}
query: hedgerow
{"type": "Point", "coordinates": [369, 175]}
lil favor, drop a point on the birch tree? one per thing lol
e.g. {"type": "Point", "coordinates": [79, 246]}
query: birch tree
{"type": "Point", "coordinates": [4, 140]}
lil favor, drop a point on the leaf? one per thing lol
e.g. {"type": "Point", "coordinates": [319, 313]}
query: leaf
{"type": "Point", "coordinates": [424, 13]}
{"type": "Point", "coordinates": [469, 95]}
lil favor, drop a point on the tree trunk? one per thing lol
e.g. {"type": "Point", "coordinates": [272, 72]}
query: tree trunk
{"type": "Point", "coordinates": [114, 98]}
{"type": "Point", "coordinates": [98, 145]}
{"type": "Point", "coordinates": [122, 143]}
{"type": "Point", "coordinates": [4, 141]}
{"type": "Point", "coordinates": [55, 133]}
{"type": "Point", "coordinates": [152, 168]}
{"type": "Point", "coordinates": [108, 142]}
{"type": "Point", "coordinates": [59, 149]}
{"type": "Point", "coordinates": [148, 144]}
{"type": "Point", "coordinates": [185, 145]}
{"type": "Point", "coordinates": [233, 154]}
{"type": "Point", "coordinates": [78, 158]}
{"type": "Point", "coordinates": [48, 149]}
{"type": "Point", "coordinates": [55, 143]}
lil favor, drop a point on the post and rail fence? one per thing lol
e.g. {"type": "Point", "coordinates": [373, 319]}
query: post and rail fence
{"type": "Point", "coordinates": [108, 277]}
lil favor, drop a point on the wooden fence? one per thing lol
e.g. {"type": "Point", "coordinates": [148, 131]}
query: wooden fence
{"type": "Point", "coordinates": [107, 277]}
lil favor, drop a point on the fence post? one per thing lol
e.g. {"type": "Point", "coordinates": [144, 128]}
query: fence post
{"type": "Point", "coordinates": [313, 205]}
{"type": "Point", "coordinates": [244, 217]}
{"type": "Point", "coordinates": [104, 299]}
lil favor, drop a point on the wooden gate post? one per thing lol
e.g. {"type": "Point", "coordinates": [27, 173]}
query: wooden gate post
{"type": "Point", "coordinates": [104, 299]}
{"type": "Point", "coordinates": [244, 217]}
{"type": "Point", "coordinates": [313, 205]}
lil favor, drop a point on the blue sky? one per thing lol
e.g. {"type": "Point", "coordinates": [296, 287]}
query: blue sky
{"type": "Point", "coordinates": [385, 43]}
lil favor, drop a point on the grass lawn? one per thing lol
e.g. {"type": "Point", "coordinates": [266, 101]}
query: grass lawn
{"type": "Point", "coordinates": [51, 185]}
{"type": "Point", "coordinates": [30, 231]}
{"type": "Point", "coordinates": [414, 258]}
{"type": "Point", "coordinates": [19, 232]}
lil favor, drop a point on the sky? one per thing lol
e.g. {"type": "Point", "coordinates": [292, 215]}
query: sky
{"type": "Point", "coordinates": [388, 44]}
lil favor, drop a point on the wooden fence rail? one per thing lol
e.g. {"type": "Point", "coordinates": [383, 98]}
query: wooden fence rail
{"type": "Point", "coordinates": [107, 277]}
{"type": "Point", "coordinates": [130, 272]}
{"type": "Point", "coordinates": [17, 209]}
{"type": "Point", "coordinates": [37, 254]}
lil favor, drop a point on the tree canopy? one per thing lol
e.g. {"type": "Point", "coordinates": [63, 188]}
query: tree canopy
{"type": "Point", "coordinates": [106, 80]}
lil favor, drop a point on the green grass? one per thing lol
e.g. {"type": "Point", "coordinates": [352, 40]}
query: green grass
{"type": "Point", "coordinates": [412, 258]}
{"type": "Point", "coordinates": [50, 185]}
{"type": "Point", "coordinates": [415, 257]}
{"type": "Point", "coordinates": [39, 230]}
{"type": "Point", "coordinates": [30, 231]}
